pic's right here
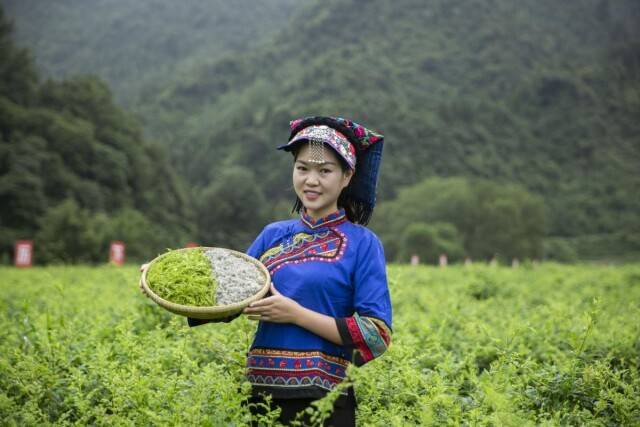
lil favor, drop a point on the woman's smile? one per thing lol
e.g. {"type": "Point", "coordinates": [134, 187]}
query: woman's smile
{"type": "Point", "coordinates": [319, 184]}
{"type": "Point", "coordinates": [311, 194]}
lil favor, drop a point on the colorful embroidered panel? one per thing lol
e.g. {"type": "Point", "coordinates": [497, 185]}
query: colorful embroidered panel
{"type": "Point", "coordinates": [327, 135]}
{"type": "Point", "coordinates": [331, 220]}
{"type": "Point", "coordinates": [281, 368]}
{"type": "Point", "coordinates": [327, 246]}
{"type": "Point", "coordinates": [365, 137]}
{"type": "Point", "coordinates": [368, 335]}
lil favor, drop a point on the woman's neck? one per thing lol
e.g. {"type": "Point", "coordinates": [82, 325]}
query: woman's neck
{"type": "Point", "coordinates": [321, 213]}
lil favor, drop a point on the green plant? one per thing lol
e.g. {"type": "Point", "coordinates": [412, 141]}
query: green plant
{"type": "Point", "coordinates": [183, 277]}
{"type": "Point", "coordinates": [544, 345]}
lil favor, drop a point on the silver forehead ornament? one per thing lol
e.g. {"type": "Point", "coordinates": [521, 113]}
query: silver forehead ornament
{"type": "Point", "coordinates": [316, 144]}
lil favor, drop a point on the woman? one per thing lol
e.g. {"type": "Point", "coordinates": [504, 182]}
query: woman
{"type": "Point", "coordinates": [329, 303]}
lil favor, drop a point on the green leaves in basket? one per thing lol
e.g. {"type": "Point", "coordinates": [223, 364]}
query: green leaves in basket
{"type": "Point", "coordinates": [183, 277]}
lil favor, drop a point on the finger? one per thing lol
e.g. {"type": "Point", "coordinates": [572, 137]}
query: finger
{"type": "Point", "coordinates": [274, 290]}
{"type": "Point", "coordinates": [253, 317]}
{"type": "Point", "coordinates": [254, 310]}
{"type": "Point", "coordinates": [262, 311]}
{"type": "Point", "coordinates": [262, 302]}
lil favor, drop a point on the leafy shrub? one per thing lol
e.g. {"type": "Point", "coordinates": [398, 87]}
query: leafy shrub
{"type": "Point", "coordinates": [550, 345]}
{"type": "Point", "coordinates": [560, 250]}
{"type": "Point", "coordinates": [429, 241]}
{"type": "Point", "coordinates": [488, 218]}
{"type": "Point", "coordinates": [71, 234]}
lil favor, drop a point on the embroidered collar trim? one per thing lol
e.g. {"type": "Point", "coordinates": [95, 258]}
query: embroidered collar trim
{"type": "Point", "coordinates": [333, 219]}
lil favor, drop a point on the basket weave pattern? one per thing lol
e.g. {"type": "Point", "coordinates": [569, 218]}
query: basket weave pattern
{"type": "Point", "coordinates": [211, 312]}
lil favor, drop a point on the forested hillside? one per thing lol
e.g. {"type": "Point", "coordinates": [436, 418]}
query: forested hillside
{"type": "Point", "coordinates": [140, 46]}
{"type": "Point", "coordinates": [542, 94]}
{"type": "Point", "coordinates": [75, 171]}
{"type": "Point", "coordinates": [538, 100]}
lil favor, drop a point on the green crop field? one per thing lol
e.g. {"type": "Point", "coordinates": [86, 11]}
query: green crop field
{"type": "Point", "coordinates": [537, 345]}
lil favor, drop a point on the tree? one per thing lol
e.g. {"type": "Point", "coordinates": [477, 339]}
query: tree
{"type": "Point", "coordinates": [144, 239]}
{"type": "Point", "coordinates": [429, 241]}
{"type": "Point", "coordinates": [491, 218]}
{"type": "Point", "coordinates": [18, 78]}
{"type": "Point", "coordinates": [68, 235]}
{"type": "Point", "coordinates": [231, 210]}
{"type": "Point", "coordinates": [67, 145]}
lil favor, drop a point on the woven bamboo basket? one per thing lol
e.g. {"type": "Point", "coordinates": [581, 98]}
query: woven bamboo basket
{"type": "Point", "coordinates": [211, 312]}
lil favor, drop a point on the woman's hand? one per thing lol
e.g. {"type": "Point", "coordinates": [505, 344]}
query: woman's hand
{"type": "Point", "coordinates": [277, 308]}
{"type": "Point", "coordinates": [280, 309]}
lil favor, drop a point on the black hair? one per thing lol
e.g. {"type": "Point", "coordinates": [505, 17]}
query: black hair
{"type": "Point", "coordinates": [355, 210]}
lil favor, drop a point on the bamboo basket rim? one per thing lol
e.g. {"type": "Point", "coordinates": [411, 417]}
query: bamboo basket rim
{"type": "Point", "coordinates": [207, 312]}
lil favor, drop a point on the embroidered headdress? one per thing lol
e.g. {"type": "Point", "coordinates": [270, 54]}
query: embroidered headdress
{"type": "Point", "coordinates": [359, 147]}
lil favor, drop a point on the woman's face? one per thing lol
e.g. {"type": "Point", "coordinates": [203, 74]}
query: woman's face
{"type": "Point", "coordinates": [318, 185]}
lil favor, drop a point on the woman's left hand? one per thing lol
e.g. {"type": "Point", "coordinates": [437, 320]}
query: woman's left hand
{"type": "Point", "coordinates": [277, 308]}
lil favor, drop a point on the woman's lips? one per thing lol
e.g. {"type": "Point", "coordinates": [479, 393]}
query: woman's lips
{"type": "Point", "coordinates": [311, 195]}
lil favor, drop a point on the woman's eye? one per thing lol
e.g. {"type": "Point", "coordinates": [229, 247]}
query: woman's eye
{"type": "Point", "coordinates": [301, 168]}
{"type": "Point", "coordinates": [325, 170]}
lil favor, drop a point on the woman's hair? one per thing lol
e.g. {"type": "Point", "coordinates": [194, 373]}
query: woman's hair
{"type": "Point", "coordinates": [354, 210]}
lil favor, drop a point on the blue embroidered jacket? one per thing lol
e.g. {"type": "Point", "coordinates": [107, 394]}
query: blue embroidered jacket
{"type": "Point", "coordinates": [333, 267]}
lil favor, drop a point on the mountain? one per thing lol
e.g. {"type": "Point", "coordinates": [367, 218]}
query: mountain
{"type": "Point", "coordinates": [541, 94]}
{"type": "Point", "coordinates": [140, 46]}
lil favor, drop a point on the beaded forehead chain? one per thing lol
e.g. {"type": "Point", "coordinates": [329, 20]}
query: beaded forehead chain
{"type": "Point", "coordinates": [316, 145]}
{"type": "Point", "coordinates": [316, 151]}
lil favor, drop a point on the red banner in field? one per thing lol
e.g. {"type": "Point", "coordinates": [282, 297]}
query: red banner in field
{"type": "Point", "coordinates": [116, 253]}
{"type": "Point", "coordinates": [192, 245]}
{"type": "Point", "coordinates": [23, 255]}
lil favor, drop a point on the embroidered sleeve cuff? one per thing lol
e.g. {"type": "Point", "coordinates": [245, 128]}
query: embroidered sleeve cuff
{"type": "Point", "coordinates": [368, 336]}
{"type": "Point", "coordinates": [343, 329]}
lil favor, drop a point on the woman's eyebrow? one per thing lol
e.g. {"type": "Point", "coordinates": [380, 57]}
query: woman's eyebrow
{"type": "Point", "coordinates": [323, 164]}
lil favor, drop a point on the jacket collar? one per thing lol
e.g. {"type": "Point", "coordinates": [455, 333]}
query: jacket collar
{"type": "Point", "coordinates": [333, 219]}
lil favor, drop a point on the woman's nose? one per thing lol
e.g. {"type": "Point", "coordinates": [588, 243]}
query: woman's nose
{"type": "Point", "coordinates": [312, 179]}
